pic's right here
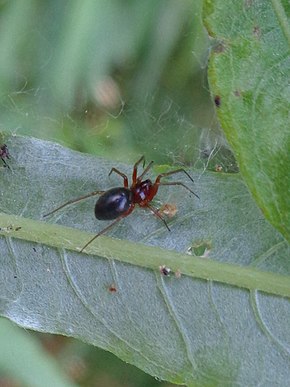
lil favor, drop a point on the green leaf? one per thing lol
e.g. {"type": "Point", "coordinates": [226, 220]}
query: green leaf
{"type": "Point", "coordinates": [23, 358]}
{"type": "Point", "coordinates": [188, 330]}
{"type": "Point", "coordinates": [249, 71]}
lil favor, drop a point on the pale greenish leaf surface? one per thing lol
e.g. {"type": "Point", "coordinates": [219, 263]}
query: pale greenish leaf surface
{"type": "Point", "coordinates": [249, 70]}
{"type": "Point", "coordinates": [24, 359]}
{"type": "Point", "coordinates": [185, 330]}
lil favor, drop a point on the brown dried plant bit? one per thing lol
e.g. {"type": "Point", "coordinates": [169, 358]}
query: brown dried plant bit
{"type": "Point", "coordinates": [177, 273]}
{"type": "Point", "coordinates": [218, 168]}
{"type": "Point", "coordinates": [164, 270]}
{"type": "Point", "coordinates": [112, 288]}
{"type": "Point", "coordinates": [168, 209]}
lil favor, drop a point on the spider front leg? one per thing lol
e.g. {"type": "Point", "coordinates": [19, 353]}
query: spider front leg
{"type": "Point", "coordinates": [135, 168]}
{"type": "Point", "coordinates": [137, 179]}
{"type": "Point", "coordinates": [94, 193]}
{"type": "Point", "coordinates": [128, 212]}
{"type": "Point", "coordinates": [125, 178]}
{"type": "Point", "coordinates": [159, 177]}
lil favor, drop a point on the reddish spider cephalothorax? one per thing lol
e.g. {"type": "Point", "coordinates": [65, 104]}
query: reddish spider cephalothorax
{"type": "Point", "coordinates": [119, 202]}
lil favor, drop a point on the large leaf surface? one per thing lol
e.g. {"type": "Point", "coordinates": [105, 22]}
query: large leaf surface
{"type": "Point", "coordinates": [249, 71]}
{"type": "Point", "coordinates": [186, 330]}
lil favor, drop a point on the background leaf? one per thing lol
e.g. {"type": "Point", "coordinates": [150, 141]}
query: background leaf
{"type": "Point", "coordinates": [184, 330]}
{"type": "Point", "coordinates": [249, 71]}
{"type": "Point", "coordinates": [24, 358]}
{"type": "Point", "coordinates": [103, 76]}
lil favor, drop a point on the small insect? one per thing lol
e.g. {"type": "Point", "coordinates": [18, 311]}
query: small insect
{"type": "Point", "coordinates": [4, 154]}
{"type": "Point", "coordinates": [117, 203]}
{"type": "Point", "coordinates": [165, 270]}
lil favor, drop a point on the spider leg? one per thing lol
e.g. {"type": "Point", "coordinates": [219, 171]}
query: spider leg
{"type": "Point", "coordinates": [139, 178]}
{"type": "Point", "coordinates": [156, 213]}
{"type": "Point", "coordinates": [134, 174]}
{"type": "Point", "coordinates": [159, 177]}
{"type": "Point", "coordinates": [121, 174]}
{"type": "Point", "coordinates": [74, 201]}
{"type": "Point", "coordinates": [101, 232]}
{"type": "Point", "coordinates": [131, 208]}
{"type": "Point", "coordinates": [173, 173]}
{"type": "Point", "coordinates": [180, 183]}
{"type": "Point", "coordinates": [4, 162]}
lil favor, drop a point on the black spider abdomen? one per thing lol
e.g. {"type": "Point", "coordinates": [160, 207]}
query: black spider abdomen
{"type": "Point", "coordinates": [113, 203]}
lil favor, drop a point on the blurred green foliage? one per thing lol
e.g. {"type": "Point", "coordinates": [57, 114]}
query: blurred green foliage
{"type": "Point", "coordinates": [114, 78]}
{"type": "Point", "coordinates": [110, 77]}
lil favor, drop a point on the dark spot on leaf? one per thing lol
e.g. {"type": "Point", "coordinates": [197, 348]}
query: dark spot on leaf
{"type": "Point", "coordinates": [219, 48]}
{"type": "Point", "coordinates": [205, 153]}
{"type": "Point", "coordinates": [4, 154]}
{"type": "Point", "coordinates": [237, 93]}
{"type": "Point", "coordinates": [112, 288]}
{"type": "Point", "coordinates": [217, 101]}
{"type": "Point", "coordinates": [257, 32]}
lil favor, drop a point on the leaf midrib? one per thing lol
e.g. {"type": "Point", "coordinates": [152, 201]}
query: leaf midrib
{"type": "Point", "coordinates": [145, 256]}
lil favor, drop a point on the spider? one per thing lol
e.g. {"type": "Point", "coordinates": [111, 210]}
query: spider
{"type": "Point", "coordinates": [117, 203]}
